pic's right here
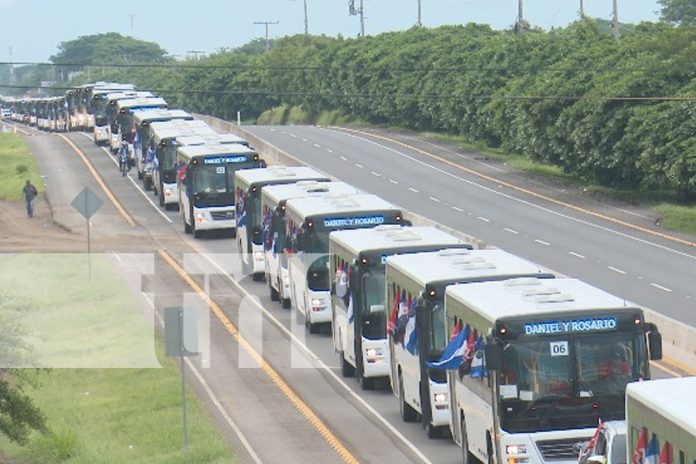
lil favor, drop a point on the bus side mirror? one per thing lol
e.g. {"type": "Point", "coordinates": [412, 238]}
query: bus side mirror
{"type": "Point", "coordinates": [406, 223]}
{"type": "Point", "coordinates": [494, 355]}
{"type": "Point", "coordinates": [262, 163]}
{"type": "Point", "coordinates": [654, 342]}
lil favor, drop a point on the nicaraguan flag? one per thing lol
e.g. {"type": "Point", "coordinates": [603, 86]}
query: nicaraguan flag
{"type": "Point", "coordinates": [402, 317]}
{"type": "Point", "coordinates": [393, 316]}
{"type": "Point", "coordinates": [652, 452]}
{"type": "Point", "coordinates": [478, 364]}
{"type": "Point", "coordinates": [666, 454]}
{"type": "Point", "coordinates": [411, 336]}
{"type": "Point", "coordinates": [351, 315]}
{"type": "Point", "coordinates": [453, 354]}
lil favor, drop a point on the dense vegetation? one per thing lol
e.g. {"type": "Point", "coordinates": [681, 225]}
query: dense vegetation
{"type": "Point", "coordinates": [570, 97]}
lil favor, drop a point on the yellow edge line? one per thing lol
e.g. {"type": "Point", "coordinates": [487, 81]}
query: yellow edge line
{"type": "Point", "coordinates": [524, 190]}
{"type": "Point", "coordinates": [285, 389]}
{"type": "Point", "coordinates": [128, 218]}
{"type": "Point", "coordinates": [673, 363]}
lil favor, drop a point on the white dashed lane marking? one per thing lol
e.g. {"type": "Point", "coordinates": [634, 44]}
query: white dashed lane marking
{"type": "Point", "coordinates": [661, 287]}
{"type": "Point", "coordinates": [541, 242]}
{"type": "Point", "coordinates": [481, 218]}
{"type": "Point", "coordinates": [617, 270]}
{"type": "Point", "coordinates": [376, 174]}
{"type": "Point", "coordinates": [358, 165]}
{"type": "Point", "coordinates": [457, 209]}
{"type": "Point", "coordinates": [393, 181]}
{"type": "Point", "coordinates": [344, 158]}
{"type": "Point", "coordinates": [317, 145]}
{"type": "Point", "coordinates": [512, 231]}
{"type": "Point", "coordinates": [413, 190]}
{"type": "Point", "coordinates": [577, 255]}
{"type": "Point", "coordinates": [436, 200]}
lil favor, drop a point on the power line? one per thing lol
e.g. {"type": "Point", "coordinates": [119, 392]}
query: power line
{"type": "Point", "coordinates": [266, 24]}
{"type": "Point", "coordinates": [237, 67]}
{"type": "Point", "coordinates": [426, 96]}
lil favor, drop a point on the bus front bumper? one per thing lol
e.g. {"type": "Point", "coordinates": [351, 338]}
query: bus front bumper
{"type": "Point", "coordinates": [214, 218]}
{"type": "Point", "coordinates": [376, 360]}
{"type": "Point", "coordinates": [557, 446]}
{"type": "Point", "coordinates": [171, 194]}
{"type": "Point", "coordinates": [319, 306]}
{"type": "Point", "coordinates": [258, 260]}
{"type": "Point", "coordinates": [101, 134]}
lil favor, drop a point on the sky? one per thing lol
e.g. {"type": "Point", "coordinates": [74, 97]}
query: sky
{"type": "Point", "coordinates": [34, 28]}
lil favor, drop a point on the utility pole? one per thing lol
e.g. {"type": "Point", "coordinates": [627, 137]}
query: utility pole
{"type": "Point", "coordinates": [615, 20]}
{"type": "Point", "coordinates": [306, 20]}
{"type": "Point", "coordinates": [11, 67]}
{"type": "Point", "coordinates": [132, 21]}
{"type": "Point", "coordinates": [195, 53]}
{"type": "Point", "coordinates": [582, 9]}
{"type": "Point", "coordinates": [267, 23]}
{"type": "Point", "coordinates": [420, 22]}
{"type": "Point", "coordinates": [520, 17]}
{"type": "Point", "coordinates": [358, 11]}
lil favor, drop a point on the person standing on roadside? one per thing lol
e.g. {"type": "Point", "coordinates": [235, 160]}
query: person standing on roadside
{"type": "Point", "coordinates": [30, 193]}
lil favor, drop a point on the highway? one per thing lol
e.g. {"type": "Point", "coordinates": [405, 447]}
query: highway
{"type": "Point", "coordinates": [650, 270]}
{"type": "Point", "coordinates": [263, 421]}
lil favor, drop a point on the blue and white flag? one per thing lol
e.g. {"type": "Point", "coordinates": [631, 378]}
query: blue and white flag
{"type": "Point", "coordinates": [453, 354]}
{"type": "Point", "coordinates": [478, 364]}
{"type": "Point", "coordinates": [652, 452]}
{"type": "Point", "coordinates": [411, 336]}
{"type": "Point", "coordinates": [351, 315]}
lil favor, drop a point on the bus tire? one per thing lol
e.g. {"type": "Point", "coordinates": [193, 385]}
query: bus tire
{"type": "Point", "coordinates": [346, 369]}
{"type": "Point", "coordinates": [140, 174]}
{"type": "Point", "coordinates": [147, 183]}
{"type": "Point", "coordinates": [287, 303]}
{"type": "Point", "coordinates": [432, 431]}
{"type": "Point", "coordinates": [467, 457]}
{"type": "Point", "coordinates": [258, 277]}
{"type": "Point", "coordinates": [272, 292]}
{"type": "Point", "coordinates": [187, 227]}
{"type": "Point", "coordinates": [366, 383]}
{"type": "Point", "coordinates": [161, 198]}
{"type": "Point", "coordinates": [408, 414]}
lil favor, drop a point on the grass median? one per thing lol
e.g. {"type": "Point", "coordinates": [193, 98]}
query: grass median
{"type": "Point", "coordinates": [16, 166]}
{"type": "Point", "coordinates": [97, 415]}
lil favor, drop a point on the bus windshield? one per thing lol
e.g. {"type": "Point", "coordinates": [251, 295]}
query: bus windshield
{"type": "Point", "coordinates": [547, 384]}
{"type": "Point", "coordinates": [211, 180]}
{"type": "Point", "coordinates": [438, 330]}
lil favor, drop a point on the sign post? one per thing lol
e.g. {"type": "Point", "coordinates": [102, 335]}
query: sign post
{"type": "Point", "coordinates": [181, 339]}
{"type": "Point", "coordinates": [87, 203]}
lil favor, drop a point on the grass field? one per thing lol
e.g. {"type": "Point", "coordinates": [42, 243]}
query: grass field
{"type": "Point", "coordinates": [16, 166]}
{"type": "Point", "coordinates": [100, 415]}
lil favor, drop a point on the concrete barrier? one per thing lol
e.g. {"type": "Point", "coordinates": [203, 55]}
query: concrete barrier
{"type": "Point", "coordinates": [678, 339]}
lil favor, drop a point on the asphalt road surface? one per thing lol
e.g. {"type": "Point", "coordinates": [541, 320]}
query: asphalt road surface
{"type": "Point", "coordinates": [649, 270]}
{"type": "Point", "coordinates": [263, 421]}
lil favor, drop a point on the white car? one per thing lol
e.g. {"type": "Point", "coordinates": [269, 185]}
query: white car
{"type": "Point", "coordinates": [609, 446]}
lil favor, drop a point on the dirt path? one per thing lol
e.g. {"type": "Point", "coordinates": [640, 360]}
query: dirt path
{"type": "Point", "coordinates": [20, 233]}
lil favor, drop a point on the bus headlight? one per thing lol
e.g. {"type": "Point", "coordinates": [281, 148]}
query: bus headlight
{"type": "Point", "coordinates": [317, 304]}
{"type": "Point", "coordinates": [440, 398]}
{"type": "Point", "coordinates": [516, 449]}
{"type": "Point", "coordinates": [200, 217]}
{"type": "Point", "coordinates": [373, 353]}
{"type": "Point", "coordinates": [258, 255]}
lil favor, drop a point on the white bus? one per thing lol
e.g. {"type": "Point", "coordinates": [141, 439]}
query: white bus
{"type": "Point", "coordinates": [205, 183]}
{"type": "Point", "coordinates": [559, 354]}
{"type": "Point", "coordinates": [357, 259]}
{"type": "Point", "coordinates": [309, 221]}
{"type": "Point", "coordinates": [274, 230]}
{"type": "Point", "coordinates": [167, 136]}
{"type": "Point", "coordinates": [663, 410]}
{"type": "Point", "coordinates": [142, 141]}
{"type": "Point", "coordinates": [415, 294]}
{"type": "Point", "coordinates": [248, 185]}
{"type": "Point", "coordinates": [103, 107]}
{"type": "Point", "coordinates": [124, 123]}
{"type": "Point", "coordinates": [95, 100]}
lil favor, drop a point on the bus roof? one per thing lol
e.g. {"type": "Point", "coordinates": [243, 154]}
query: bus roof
{"type": "Point", "coordinates": [672, 399]}
{"type": "Point", "coordinates": [213, 138]}
{"type": "Point", "coordinates": [111, 87]}
{"type": "Point", "coordinates": [277, 193]}
{"type": "Point", "coordinates": [338, 204]}
{"type": "Point", "coordinates": [205, 150]}
{"type": "Point", "coordinates": [495, 300]}
{"type": "Point", "coordinates": [277, 174]}
{"type": "Point", "coordinates": [159, 114]}
{"type": "Point", "coordinates": [113, 96]}
{"type": "Point", "coordinates": [177, 128]}
{"type": "Point", "coordinates": [391, 237]}
{"type": "Point", "coordinates": [152, 102]}
{"type": "Point", "coordinates": [460, 265]}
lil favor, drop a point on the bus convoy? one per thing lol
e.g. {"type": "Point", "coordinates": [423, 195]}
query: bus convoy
{"type": "Point", "coordinates": [516, 364]}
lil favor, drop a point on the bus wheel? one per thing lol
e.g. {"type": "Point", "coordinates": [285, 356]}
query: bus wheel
{"type": "Point", "coordinates": [147, 183]}
{"type": "Point", "coordinates": [433, 431]}
{"type": "Point", "coordinates": [346, 369]}
{"type": "Point", "coordinates": [187, 228]}
{"type": "Point", "coordinates": [161, 198]}
{"type": "Point", "coordinates": [287, 303]}
{"type": "Point", "coordinates": [366, 383]}
{"type": "Point", "coordinates": [196, 233]}
{"type": "Point", "coordinates": [408, 414]}
{"type": "Point", "coordinates": [258, 277]}
{"type": "Point", "coordinates": [273, 293]}
{"type": "Point", "coordinates": [311, 326]}
{"type": "Point", "coordinates": [467, 457]}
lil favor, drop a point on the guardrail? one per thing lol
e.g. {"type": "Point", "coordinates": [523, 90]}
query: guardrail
{"type": "Point", "coordinates": [678, 339]}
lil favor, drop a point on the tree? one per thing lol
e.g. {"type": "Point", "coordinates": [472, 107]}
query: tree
{"type": "Point", "coordinates": [18, 414]}
{"type": "Point", "coordinates": [107, 48]}
{"type": "Point", "coordinates": [678, 11]}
